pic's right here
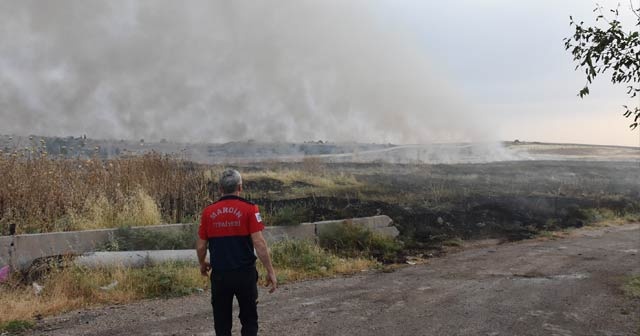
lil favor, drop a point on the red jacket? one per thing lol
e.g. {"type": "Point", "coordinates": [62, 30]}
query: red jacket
{"type": "Point", "coordinates": [228, 224]}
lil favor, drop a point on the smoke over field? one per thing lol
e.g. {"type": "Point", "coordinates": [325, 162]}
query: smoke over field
{"type": "Point", "coordinates": [216, 71]}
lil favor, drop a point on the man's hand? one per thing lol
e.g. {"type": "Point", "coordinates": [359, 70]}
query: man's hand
{"type": "Point", "coordinates": [272, 281]}
{"type": "Point", "coordinates": [201, 248]}
{"type": "Point", "coordinates": [205, 267]}
{"type": "Point", "coordinates": [263, 253]}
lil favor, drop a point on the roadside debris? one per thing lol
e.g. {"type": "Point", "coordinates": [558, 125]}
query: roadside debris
{"type": "Point", "coordinates": [110, 286]}
{"type": "Point", "coordinates": [415, 260]}
{"type": "Point", "coordinates": [37, 288]}
{"type": "Point", "coordinates": [4, 273]}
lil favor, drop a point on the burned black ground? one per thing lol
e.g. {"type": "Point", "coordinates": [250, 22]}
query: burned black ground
{"type": "Point", "coordinates": [434, 203]}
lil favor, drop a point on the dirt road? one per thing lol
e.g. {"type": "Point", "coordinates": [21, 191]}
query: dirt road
{"type": "Point", "coordinates": [561, 287]}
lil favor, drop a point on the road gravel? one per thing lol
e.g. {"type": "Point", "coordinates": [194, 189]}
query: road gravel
{"type": "Point", "coordinates": [564, 287]}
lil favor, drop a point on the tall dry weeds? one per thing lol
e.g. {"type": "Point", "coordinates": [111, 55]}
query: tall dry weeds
{"type": "Point", "coordinates": [43, 194]}
{"type": "Point", "coordinates": [72, 287]}
{"type": "Point", "coordinates": [69, 287]}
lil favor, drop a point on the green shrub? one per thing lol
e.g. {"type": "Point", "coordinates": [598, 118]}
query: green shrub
{"type": "Point", "coordinates": [301, 254]}
{"type": "Point", "coordinates": [632, 286]}
{"type": "Point", "coordinates": [288, 215]}
{"type": "Point", "coordinates": [16, 326]}
{"type": "Point", "coordinates": [348, 239]}
{"type": "Point", "coordinates": [166, 280]}
{"type": "Point", "coordinates": [455, 242]}
{"type": "Point", "coordinates": [128, 239]}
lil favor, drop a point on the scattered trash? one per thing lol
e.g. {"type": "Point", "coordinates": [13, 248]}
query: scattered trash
{"type": "Point", "coordinates": [4, 273]}
{"type": "Point", "coordinates": [199, 290]}
{"type": "Point", "coordinates": [414, 260]}
{"type": "Point", "coordinates": [110, 286]}
{"type": "Point", "coordinates": [37, 288]}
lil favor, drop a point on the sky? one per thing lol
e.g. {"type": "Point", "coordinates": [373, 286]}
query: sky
{"type": "Point", "coordinates": [378, 71]}
{"type": "Point", "coordinates": [507, 58]}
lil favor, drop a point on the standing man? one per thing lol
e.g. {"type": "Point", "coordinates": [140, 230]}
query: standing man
{"type": "Point", "coordinates": [232, 229]}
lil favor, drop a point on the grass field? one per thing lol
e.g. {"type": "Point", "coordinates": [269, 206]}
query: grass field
{"type": "Point", "coordinates": [66, 287]}
{"type": "Point", "coordinates": [428, 203]}
{"type": "Point", "coordinates": [431, 205]}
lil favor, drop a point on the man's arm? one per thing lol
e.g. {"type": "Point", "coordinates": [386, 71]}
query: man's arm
{"type": "Point", "coordinates": [201, 248]}
{"type": "Point", "coordinates": [260, 244]}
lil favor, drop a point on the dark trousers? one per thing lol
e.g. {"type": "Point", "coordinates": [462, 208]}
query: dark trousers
{"type": "Point", "coordinates": [243, 285]}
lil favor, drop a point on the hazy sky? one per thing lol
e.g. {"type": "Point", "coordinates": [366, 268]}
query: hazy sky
{"type": "Point", "coordinates": [507, 58]}
{"type": "Point", "coordinates": [362, 70]}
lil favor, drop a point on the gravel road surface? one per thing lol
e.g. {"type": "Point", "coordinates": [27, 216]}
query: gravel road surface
{"type": "Point", "coordinates": [564, 287]}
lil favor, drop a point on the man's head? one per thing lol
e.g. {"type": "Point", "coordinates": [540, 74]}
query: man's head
{"type": "Point", "coordinates": [230, 181]}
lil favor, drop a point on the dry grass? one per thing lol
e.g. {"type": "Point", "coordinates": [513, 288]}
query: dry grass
{"type": "Point", "coordinates": [42, 194]}
{"type": "Point", "coordinates": [299, 183]}
{"type": "Point", "coordinates": [632, 286]}
{"type": "Point", "coordinates": [139, 209]}
{"type": "Point", "coordinates": [45, 194]}
{"type": "Point", "coordinates": [296, 260]}
{"type": "Point", "coordinates": [601, 217]}
{"type": "Point", "coordinates": [313, 165]}
{"type": "Point", "coordinates": [322, 180]}
{"type": "Point", "coordinates": [553, 235]}
{"type": "Point", "coordinates": [342, 266]}
{"type": "Point", "coordinates": [72, 288]}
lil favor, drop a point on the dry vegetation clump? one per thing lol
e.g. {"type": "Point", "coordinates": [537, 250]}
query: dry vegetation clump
{"type": "Point", "coordinates": [74, 287]}
{"type": "Point", "coordinates": [632, 286]}
{"type": "Point", "coordinates": [296, 260]}
{"type": "Point", "coordinates": [43, 194]}
{"type": "Point", "coordinates": [352, 240]}
{"type": "Point", "coordinates": [67, 288]}
{"type": "Point", "coordinates": [313, 165]}
{"type": "Point", "coordinates": [328, 181]}
{"type": "Point", "coordinates": [47, 194]}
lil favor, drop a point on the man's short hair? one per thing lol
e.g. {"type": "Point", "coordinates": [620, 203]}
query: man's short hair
{"type": "Point", "coordinates": [230, 179]}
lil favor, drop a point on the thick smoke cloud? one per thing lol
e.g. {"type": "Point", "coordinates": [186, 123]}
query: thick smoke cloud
{"type": "Point", "coordinates": [215, 71]}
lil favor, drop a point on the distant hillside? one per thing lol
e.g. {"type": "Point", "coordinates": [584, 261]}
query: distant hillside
{"type": "Point", "coordinates": [72, 147]}
{"type": "Point", "coordinates": [252, 151]}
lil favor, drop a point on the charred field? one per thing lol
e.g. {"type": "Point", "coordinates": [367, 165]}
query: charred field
{"type": "Point", "coordinates": [431, 204]}
{"type": "Point", "coordinates": [529, 188]}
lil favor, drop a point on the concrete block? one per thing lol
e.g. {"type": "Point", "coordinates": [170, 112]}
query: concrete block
{"type": "Point", "coordinates": [321, 227]}
{"type": "Point", "coordinates": [135, 258]}
{"type": "Point", "coordinates": [302, 231]}
{"type": "Point", "coordinates": [5, 248]}
{"type": "Point", "coordinates": [375, 223]}
{"type": "Point", "coordinates": [389, 231]}
{"type": "Point", "coordinates": [29, 247]}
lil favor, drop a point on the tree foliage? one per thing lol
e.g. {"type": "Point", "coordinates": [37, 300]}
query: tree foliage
{"type": "Point", "coordinates": [607, 48]}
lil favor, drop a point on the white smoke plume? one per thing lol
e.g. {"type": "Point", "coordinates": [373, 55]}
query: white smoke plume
{"type": "Point", "coordinates": [222, 70]}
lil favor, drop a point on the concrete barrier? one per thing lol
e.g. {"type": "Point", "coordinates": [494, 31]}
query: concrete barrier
{"type": "Point", "coordinates": [135, 258]}
{"type": "Point", "coordinates": [5, 250]}
{"type": "Point", "coordinates": [29, 247]}
{"type": "Point", "coordinates": [380, 224]}
{"type": "Point", "coordinates": [298, 232]}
